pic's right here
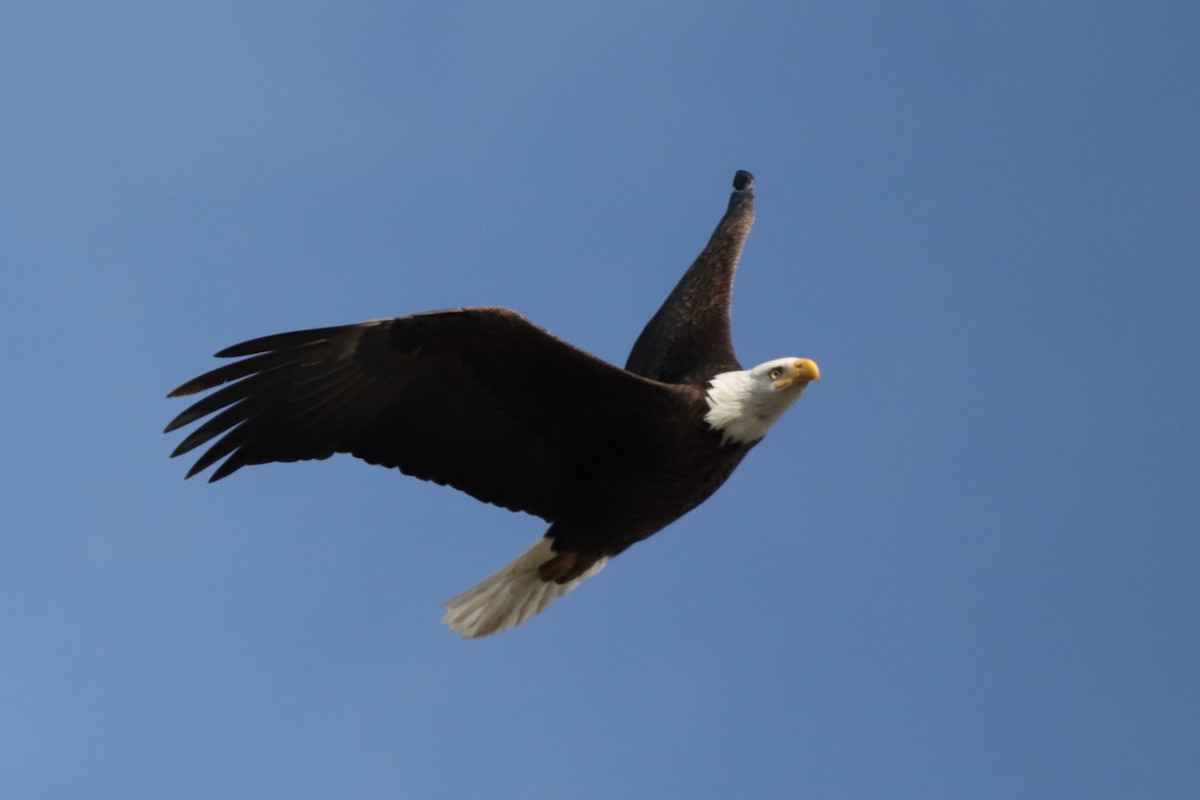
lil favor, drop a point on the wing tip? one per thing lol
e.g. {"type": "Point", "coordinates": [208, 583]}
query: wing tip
{"type": "Point", "coordinates": [184, 389]}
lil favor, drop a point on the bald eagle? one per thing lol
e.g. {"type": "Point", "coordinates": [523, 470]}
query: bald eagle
{"type": "Point", "coordinates": [483, 400]}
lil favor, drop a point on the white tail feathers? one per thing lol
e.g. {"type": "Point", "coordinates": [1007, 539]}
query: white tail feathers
{"type": "Point", "coordinates": [510, 596]}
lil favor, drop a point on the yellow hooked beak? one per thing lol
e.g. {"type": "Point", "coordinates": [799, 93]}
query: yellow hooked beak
{"type": "Point", "coordinates": [803, 371]}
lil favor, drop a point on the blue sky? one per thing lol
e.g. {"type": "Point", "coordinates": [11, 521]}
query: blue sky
{"type": "Point", "coordinates": [965, 565]}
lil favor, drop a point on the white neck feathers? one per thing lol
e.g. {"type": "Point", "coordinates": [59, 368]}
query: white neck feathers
{"type": "Point", "coordinates": [743, 406]}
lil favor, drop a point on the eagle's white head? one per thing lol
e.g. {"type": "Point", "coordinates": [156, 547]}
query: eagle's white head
{"type": "Point", "coordinates": [744, 404]}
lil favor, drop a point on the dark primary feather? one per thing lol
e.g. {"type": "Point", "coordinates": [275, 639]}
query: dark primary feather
{"type": "Point", "coordinates": [688, 340]}
{"type": "Point", "coordinates": [478, 398]}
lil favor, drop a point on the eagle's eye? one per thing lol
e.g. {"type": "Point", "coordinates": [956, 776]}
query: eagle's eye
{"type": "Point", "coordinates": [775, 374]}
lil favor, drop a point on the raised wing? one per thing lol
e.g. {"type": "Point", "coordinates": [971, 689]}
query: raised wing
{"type": "Point", "coordinates": [688, 339]}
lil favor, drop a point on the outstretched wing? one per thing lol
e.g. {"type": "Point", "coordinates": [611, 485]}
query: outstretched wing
{"type": "Point", "coordinates": [480, 399]}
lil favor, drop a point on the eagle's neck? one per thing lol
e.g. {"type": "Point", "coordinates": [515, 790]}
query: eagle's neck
{"type": "Point", "coordinates": [743, 408]}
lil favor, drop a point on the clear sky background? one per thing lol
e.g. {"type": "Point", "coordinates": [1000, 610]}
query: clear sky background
{"type": "Point", "coordinates": [966, 564]}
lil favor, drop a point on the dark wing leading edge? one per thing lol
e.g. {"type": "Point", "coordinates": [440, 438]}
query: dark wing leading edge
{"type": "Point", "coordinates": [688, 340]}
{"type": "Point", "coordinates": [480, 399]}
